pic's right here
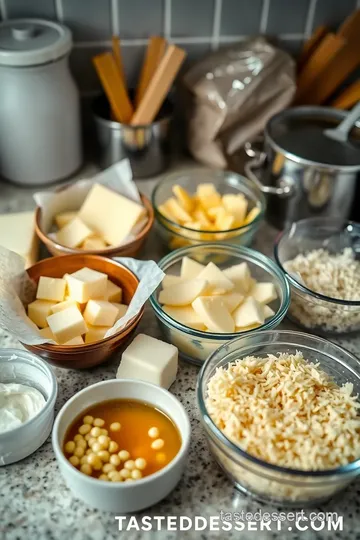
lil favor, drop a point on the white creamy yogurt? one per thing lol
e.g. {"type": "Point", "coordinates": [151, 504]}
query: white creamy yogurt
{"type": "Point", "coordinates": [18, 403]}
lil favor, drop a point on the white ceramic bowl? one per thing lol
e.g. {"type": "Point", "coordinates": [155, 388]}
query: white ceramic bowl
{"type": "Point", "coordinates": [22, 367]}
{"type": "Point", "coordinates": [129, 496]}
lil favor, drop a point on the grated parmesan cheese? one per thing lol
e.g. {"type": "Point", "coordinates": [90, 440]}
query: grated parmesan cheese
{"type": "Point", "coordinates": [286, 411]}
{"type": "Point", "coordinates": [335, 276]}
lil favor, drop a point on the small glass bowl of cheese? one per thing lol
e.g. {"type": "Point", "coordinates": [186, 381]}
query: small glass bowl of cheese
{"type": "Point", "coordinates": [194, 206]}
{"type": "Point", "coordinates": [186, 322]}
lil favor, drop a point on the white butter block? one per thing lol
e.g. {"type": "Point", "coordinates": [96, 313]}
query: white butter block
{"type": "Point", "coordinates": [149, 359]}
{"type": "Point", "coordinates": [184, 293]}
{"type": "Point", "coordinates": [73, 234]}
{"type": "Point", "coordinates": [47, 333]}
{"type": "Point", "coordinates": [218, 282]}
{"type": "Point", "coordinates": [38, 311]}
{"type": "Point", "coordinates": [110, 214]}
{"type": "Point", "coordinates": [190, 269]}
{"type": "Point", "coordinates": [100, 313]}
{"type": "Point", "coordinates": [236, 205]}
{"type": "Point", "coordinates": [95, 333]}
{"type": "Point", "coordinates": [264, 292]}
{"type": "Point", "coordinates": [122, 309]}
{"type": "Point", "coordinates": [78, 340]}
{"type": "Point", "coordinates": [240, 275]}
{"type": "Point", "coordinates": [113, 292]}
{"type": "Point", "coordinates": [214, 314]}
{"type": "Point", "coordinates": [232, 300]}
{"type": "Point", "coordinates": [67, 324]}
{"type": "Point", "coordinates": [64, 218]}
{"type": "Point", "coordinates": [93, 243]}
{"type": "Point", "coordinates": [86, 284]}
{"type": "Point", "coordinates": [248, 313]}
{"type": "Point", "coordinates": [64, 305]}
{"type": "Point", "coordinates": [185, 315]}
{"type": "Point", "coordinates": [51, 289]}
{"type": "Point", "coordinates": [169, 280]}
{"type": "Point", "coordinates": [268, 312]}
{"type": "Point", "coordinates": [17, 233]}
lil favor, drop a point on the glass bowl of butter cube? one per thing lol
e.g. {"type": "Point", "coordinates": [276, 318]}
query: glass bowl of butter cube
{"type": "Point", "coordinates": [78, 299]}
{"type": "Point", "coordinates": [212, 293]}
{"type": "Point", "coordinates": [202, 205]}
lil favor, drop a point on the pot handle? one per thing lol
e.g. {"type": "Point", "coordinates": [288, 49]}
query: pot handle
{"type": "Point", "coordinates": [258, 159]}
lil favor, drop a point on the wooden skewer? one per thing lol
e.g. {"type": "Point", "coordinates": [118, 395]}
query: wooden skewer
{"type": "Point", "coordinates": [114, 88]}
{"type": "Point", "coordinates": [154, 53]}
{"type": "Point", "coordinates": [159, 86]}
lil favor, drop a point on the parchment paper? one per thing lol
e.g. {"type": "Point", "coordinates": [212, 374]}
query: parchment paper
{"type": "Point", "coordinates": [117, 177]}
{"type": "Point", "coordinates": [17, 290]}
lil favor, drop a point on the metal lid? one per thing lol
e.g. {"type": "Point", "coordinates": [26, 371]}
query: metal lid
{"type": "Point", "coordinates": [299, 134]}
{"type": "Point", "coordinates": [30, 42]}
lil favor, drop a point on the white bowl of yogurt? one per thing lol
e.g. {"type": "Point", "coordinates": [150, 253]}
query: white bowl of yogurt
{"type": "Point", "coordinates": [28, 391]}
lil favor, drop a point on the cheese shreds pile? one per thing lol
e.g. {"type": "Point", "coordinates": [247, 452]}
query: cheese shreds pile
{"type": "Point", "coordinates": [286, 411]}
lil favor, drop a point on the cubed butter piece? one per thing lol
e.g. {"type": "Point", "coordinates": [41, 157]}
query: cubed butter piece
{"type": "Point", "coordinates": [183, 293]}
{"type": "Point", "coordinates": [95, 333]}
{"type": "Point", "coordinates": [38, 311]}
{"type": "Point", "coordinates": [183, 198]}
{"type": "Point", "coordinates": [67, 324]}
{"type": "Point", "coordinates": [268, 312]}
{"type": "Point", "coordinates": [64, 305]}
{"type": "Point", "coordinates": [93, 243]}
{"type": "Point", "coordinates": [73, 234]}
{"type": "Point", "coordinates": [149, 359]}
{"type": "Point", "coordinates": [46, 333]}
{"type": "Point", "coordinates": [264, 292]}
{"type": "Point", "coordinates": [218, 282]}
{"type": "Point", "coordinates": [248, 313]}
{"type": "Point", "coordinates": [113, 292]}
{"type": "Point", "coordinates": [232, 300]}
{"type": "Point", "coordinates": [240, 275]}
{"type": "Point", "coordinates": [86, 284]}
{"type": "Point", "coordinates": [122, 309]}
{"type": "Point", "coordinates": [254, 212]}
{"type": "Point", "coordinates": [110, 214]}
{"type": "Point", "coordinates": [214, 314]}
{"type": "Point", "coordinates": [185, 315]}
{"type": "Point", "coordinates": [78, 340]}
{"type": "Point", "coordinates": [51, 289]}
{"type": "Point", "coordinates": [64, 218]}
{"type": "Point", "coordinates": [176, 210]}
{"type": "Point", "coordinates": [190, 269]}
{"type": "Point", "coordinates": [169, 279]}
{"type": "Point", "coordinates": [100, 313]}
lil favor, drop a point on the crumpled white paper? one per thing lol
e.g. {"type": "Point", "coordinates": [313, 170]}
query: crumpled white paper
{"type": "Point", "coordinates": [17, 290]}
{"type": "Point", "coordinates": [117, 177]}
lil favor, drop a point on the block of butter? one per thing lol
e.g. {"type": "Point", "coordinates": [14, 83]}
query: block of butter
{"type": "Point", "coordinates": [17, 233]}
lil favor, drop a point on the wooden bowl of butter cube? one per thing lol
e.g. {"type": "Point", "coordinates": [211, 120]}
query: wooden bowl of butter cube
{"type": "Point", "coordinates": [78, 298]}
{"type": "Point", "coordinates": [105, 223]}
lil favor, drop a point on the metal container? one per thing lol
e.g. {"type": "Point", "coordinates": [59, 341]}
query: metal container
{"type": "Point", "coordinates": [147, 147]}
{"type": "Point", "coordinates": [304, 173]}
{"type": "Point", "coordinates": [40, 129]}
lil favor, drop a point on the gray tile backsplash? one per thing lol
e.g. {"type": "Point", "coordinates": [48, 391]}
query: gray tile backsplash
{"type": "Point", "coordinates": [196, 25]}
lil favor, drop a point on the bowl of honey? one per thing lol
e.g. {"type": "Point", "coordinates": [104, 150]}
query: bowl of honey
{"type": "Point", "coordinates": [121, 445]}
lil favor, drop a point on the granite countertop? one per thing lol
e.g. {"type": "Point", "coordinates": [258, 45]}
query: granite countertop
{"type": "Point", "coordinates": [36, 504]}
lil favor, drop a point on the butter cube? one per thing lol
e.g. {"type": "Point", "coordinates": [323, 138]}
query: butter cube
{"type": "Point", "coordinates": [113, 292]}
{"type": "Point", "coordinates": [190, 269]}
{"type": "Point", "coordinates": [264, 292]}
{"type": "Point", "coordinates": [248, 313]}
{"type": "Point", "coordinates": [183, 197]}
{"type": "Point", "coordinates": [110, 214]}
{"type": "Point", "coordinates": [46, 333]}
{"type": "Point", "coordinates": [78, 340]}
{"type": "Point", "coordinates": [176, 210]}
{"type": "Point", "coordinates": [67, 324]}
{"type": "Point", "coordinates": [86, 284]}
{"type": "Point", "coordinates": [218, 282]}
{"type": "Point", "coordinates": [73, 234]}
{"type": "Point", "coordinates": [214, 314]}
{"type": "Point", "coordinates": [64, 218]}
{"type": "Point", "coordinates": [232, 300]}
{"type": "Point", "coordinates": [183, 293]}
{"type": "Point", "coordinates": [38, 311]}
{"type": "Point", "coordinates": [149, 359]}
{"type": "Point", "coordinates": [51, 289]}
{"type": "Point", "coordinates": [185, 315]}
{"type": "Point", "coordinates": [169, 279]}
{"type": "Point", "coordinates": [95, 333]}
{"type": "Point", "coordinates": [268, 312]}
{"type": "Point", "coordinates": [122, 309]}
{"type": "Point", "coordinates": [93, 243]}
{"type": "Point", "coordinates": [64, 305]}
{"type": "Point", "coordinates": [240, 275]}
{"type": "Point", "coordinates": [236, 205]}
{"type": "Point", "coordinates": [100, 313]}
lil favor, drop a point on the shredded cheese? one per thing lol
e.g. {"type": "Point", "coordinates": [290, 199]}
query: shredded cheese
{"type": "Point", "coordinates": [286, 411]}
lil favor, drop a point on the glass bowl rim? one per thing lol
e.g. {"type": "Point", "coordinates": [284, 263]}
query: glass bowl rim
{"type": "Point", "coordinates": [205, 417]}
{"type": "Point", "coordinates": [169, 177]}
{"type": "Point", "coordinates": [254, 256]}
{"type": "Point", "coordinates": [296, 284]}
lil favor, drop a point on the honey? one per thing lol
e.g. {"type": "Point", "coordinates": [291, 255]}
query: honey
{"type": "Point", "coordinates": [138, 422]}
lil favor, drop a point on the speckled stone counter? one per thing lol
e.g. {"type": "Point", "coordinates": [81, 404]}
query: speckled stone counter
{"type": "Point", "coordinates": [35, 503]}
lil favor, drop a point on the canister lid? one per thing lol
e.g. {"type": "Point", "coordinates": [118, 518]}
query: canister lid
{"type": "Point", "coordinates": [30, 42]}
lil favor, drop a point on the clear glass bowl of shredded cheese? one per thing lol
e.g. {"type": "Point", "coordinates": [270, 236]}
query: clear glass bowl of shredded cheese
{"type": "Point", "coordinates": [320, 258]}
{"type": "Point", "coordinates": [281, 417]}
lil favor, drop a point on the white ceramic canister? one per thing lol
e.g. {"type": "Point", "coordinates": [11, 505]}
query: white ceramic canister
{"type": "Point", "coordinates": [40, 130]}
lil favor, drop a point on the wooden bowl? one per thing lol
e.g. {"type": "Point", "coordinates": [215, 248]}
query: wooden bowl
{"type": "Point", "coordinates": [91, 354]}
{"type": "Point", "coordinates": [131, 249]}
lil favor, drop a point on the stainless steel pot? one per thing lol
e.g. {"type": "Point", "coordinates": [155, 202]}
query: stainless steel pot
{"type": "Point", "coordinates": [301, 171]}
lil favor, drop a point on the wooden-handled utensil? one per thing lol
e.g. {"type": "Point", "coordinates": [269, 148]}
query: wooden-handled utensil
{"type": "Point", "coordinates": [348, 98]}
{"type": "Point", "coordinates": [114, 87]}
{"type": "Point", "coordinates": [350, 28]}
{"type": "Point", "coordinates": [311, 45]}
{"type": "Point", "coordinates": [116, 50]}
{"type": "Point", "coordinates": [154, 53]}
{"type": "Point", "coordinates": [159, 86]}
